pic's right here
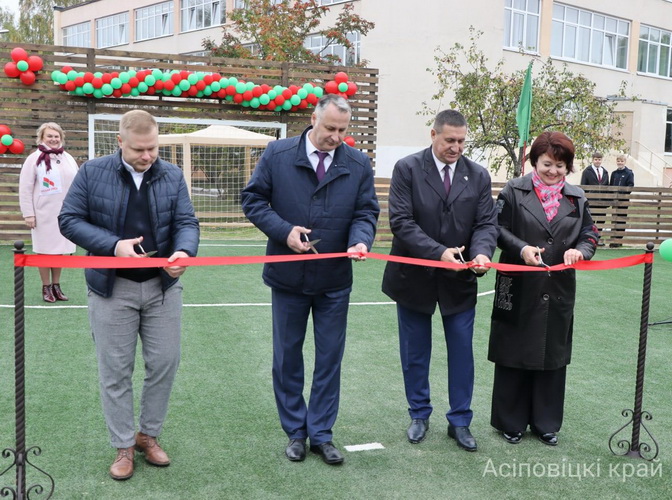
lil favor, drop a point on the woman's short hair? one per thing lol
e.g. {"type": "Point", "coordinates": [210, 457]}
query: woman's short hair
{"type": "Point", "coordinates": [556, 145]}
{"type": "Point", "coordinates": [53, 126]}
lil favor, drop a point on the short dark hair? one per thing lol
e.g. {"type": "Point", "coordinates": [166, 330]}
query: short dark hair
{"type": "Point", "coordinates": [450, 117]}
{"type": "Point", "coordinates": [597, 154]}
{"type": "Point", "coordinates": [556, 145]}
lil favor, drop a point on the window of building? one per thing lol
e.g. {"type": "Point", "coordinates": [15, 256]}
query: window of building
{"type": "Point", "coordinates": [521, 24]}
{"type": "Point", "coordinates": [348, 57]}
{"type": "Point", "coordinates": [655, 51]}
{"type": "Point", "coordinates": [112, 30]}
{"type": "Point", "coordinates": [77, 35]}
{"type": "Point", "coordinates": [668, 132]}
{"type": "Point", "coordinates": [242, 4]}
{"type": "Point", "coordinates": [154, 21]}
{"type": "Point", "coordinates": [197, 14]}
{"type": "Point", "coordinates": [589, 37]}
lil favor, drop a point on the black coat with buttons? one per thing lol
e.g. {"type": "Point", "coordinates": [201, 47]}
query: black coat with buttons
{"type": "Point", "coordinates": [533, 312]}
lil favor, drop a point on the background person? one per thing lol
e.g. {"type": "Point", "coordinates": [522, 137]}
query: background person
{"type": "Point", "coordinates": [312, 187]}
{"type": "Point", "coordinates": [625, 178]}
{"type": "Point", "coordinates": [116, 203]}
{"type": "Point", "coordinates": [440, 205]}
{"type": "Point", "coordinates": [541, 217]}
{"type": "Point", "coordinates": [597, 175]}
{"type": "Point", "coordinates": [45, 178]}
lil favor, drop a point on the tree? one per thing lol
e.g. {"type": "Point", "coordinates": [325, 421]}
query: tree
{"type": "Point", "coordinates": [277, 31]}
{"type": "Point", "coordinates": [35, 23]}
{"type": "Point", "coordinates": [488, 99]}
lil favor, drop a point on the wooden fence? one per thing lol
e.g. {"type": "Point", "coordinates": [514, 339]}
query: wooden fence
{"type": "Point", "coordinates": [24, 108]}
{"type": "Point", "coordinates": [625, 216]}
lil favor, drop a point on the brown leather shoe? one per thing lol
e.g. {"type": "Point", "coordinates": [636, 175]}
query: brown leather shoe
{"type": "Point", "coordinates": [122, 468]}
{"type": "Point", "coordinates": [58, 293]}
{"type": "Point", "coordinates": [153, 452]}
{"type": "Point", "coordinates": [48, 293]}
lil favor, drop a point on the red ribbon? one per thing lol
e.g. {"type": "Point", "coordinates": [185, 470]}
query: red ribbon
{"type": "Point", "coordinates": [77, 261]}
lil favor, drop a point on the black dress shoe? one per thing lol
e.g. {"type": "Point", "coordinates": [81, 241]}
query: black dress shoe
{"type": "Point", "coordinates": [329, 452]}
{"type": "Point", "coordinates": [462, 435]}
{"type": "Point", "coordinates": [549, 438]}
{"type": "Point", "coordinates": [417, 430]}
{"type": "Point", "coordinates": [296, 450]}
{"type": "Point", "coordinates": [513, 437]}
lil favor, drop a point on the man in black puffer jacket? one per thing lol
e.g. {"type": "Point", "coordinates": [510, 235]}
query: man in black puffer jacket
{"type": "Point", "coordinates": [132, 204]}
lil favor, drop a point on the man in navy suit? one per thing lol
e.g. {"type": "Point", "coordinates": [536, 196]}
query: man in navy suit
{"type": "Point", "coordinates": [312, 192]}
{"type": "Point", "coordinates": [441, 208]}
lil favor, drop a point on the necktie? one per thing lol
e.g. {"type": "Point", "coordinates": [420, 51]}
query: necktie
{"type": "Point", "coordinates": [446, 179]}
{"type": "Point", "coordinates": [599, 174]}
{"type": "Point", "coordinates": [320, 171]}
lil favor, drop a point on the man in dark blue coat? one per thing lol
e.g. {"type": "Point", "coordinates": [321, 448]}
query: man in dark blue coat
{"type": "Point", "coordinates": [133, 204]}
{"type": "Point", "coordinates": [312, 192]}
{"type": "Point", "coordinates": [441, 208]}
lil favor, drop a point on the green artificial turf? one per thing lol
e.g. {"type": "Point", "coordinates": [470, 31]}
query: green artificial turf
{"type": "Point", "coordinates": [223, 434]}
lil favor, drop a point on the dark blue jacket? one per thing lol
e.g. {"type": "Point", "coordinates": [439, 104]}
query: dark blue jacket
{"type": "Point", "coordinates": [624, 177]}
{"type": "Point", "coordinates": [342, 211]}
{"type": "Point", "coordinates": [94, 211]}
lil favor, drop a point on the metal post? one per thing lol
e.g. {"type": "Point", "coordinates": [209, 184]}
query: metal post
{"type": "Point", "coordinates": [636, 448]}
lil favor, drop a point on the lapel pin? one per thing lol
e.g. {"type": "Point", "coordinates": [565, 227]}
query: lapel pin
{"type": "Point", "coordinates": [466, 178]}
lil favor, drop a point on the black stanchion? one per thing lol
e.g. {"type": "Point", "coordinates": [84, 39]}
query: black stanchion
{"type": "Point", "coordinates": [20, 453]}
{"type": "Point", "coordinates": [635, 447]}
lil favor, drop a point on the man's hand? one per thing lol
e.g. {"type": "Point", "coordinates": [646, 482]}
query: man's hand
{"type": "Point", "coordinates": [176, 271]}
{"type": "Point", "coordinates": [479, 263]}
{"type": "Point", "coordinates": [355, 250]}
{"type": "Point", "coordinates": [295, 239]}
{"type": "Point", "coordinates": [452, 255]}
{"type": "Point", "coordinates": [126, 248]}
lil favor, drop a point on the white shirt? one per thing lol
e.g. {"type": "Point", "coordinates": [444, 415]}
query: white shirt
{"type": "Point", "coordinates": [440, 165]}
{"type": "Point", "coordinates": [137, 176]}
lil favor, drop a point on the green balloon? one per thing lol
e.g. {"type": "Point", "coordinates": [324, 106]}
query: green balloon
{"type": "Point", "coordinates": [216, 86]}
{"type": "Point", "coordinates": [143, 87]}
{"type": "Point", "coordinates": [116, 83]}
{"type": "Point", "coordinates": [157, 74]}
{"type": "Point", "coordinates": [264, 99]}
{"type": "Point", "coordinates": [124, 77]}
{"type": "Point", "coordinates": [150, 80]}
{"type": "Point", "coordinates": [62, 78]}
{"type": "Point", "coordinates": [319, 92]}
{"type": "Point", "coordinates": [79, 91]}
{"type": "Point", "coordinates": [665, 249]}
{"type": "Point", "coordinates": [132, 73]}
{"type": "Point", "coordinates": [295, 100]}
{"type": "Point", "coordinates": [228, 98]}
{"type": "Point", "coordinates": [98, 93]}
{"type": "Point", "coordinates": [107, 89]}
{"type": "Point", "coordinates": [233, 81]}
{"type": "Point", "coordinates": [272, 94]}
{"type": "Point", "coordinates": [302, 93]}
{"type": "Point", "coordinates": [308, 87]}
{"type": "Point", "coordinates": [135, 92]}
{"type": "Point", "coordinates": [177, 91]}
{"type": "Point", "coordinates": [249, 86]}
{"type": "Point", "coordinates": [6, 140]}
{"type": "Point", "coordinates": [245, 104]}
{"type": "Point", "coordinates": [97, 74]}
{"type": "Point", "coordinates": [342, 87]}
{"type": "Point", "coordinates": [199, 93]}
{"type": "Point", "coordinates": [240, 87]}
{"type": "Point", "coordinates": [286, 105]}
{"type": "Point", "coordinates": [207, 91]}
{"type": "Point", "coordinates": [22, 65]}
{"type": "Point", "coordinates": [192, 79]}
{"type": "Point", "coordinates": [184, 85]}
{"type": "Point", "coordinates": [88, 88]}
{"type": "Point", "coordinates": [54, 75]}
{"type": "Point", "coordinates": [72, 75]}
{"type": "Point", "coordinates": [254, 103]}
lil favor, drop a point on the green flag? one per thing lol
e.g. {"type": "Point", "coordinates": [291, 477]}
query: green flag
{"type": "Point", "coordinates": [524, 112]}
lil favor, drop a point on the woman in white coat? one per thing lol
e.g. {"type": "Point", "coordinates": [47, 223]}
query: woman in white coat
{"type": "Point", "coordinates": [45, 178]}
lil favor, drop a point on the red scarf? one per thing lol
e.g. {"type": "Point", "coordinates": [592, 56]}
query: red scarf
{"type": "Point", "coordinates": [549, 196]}
{"type": "Point", "coordinates": [44, 155]}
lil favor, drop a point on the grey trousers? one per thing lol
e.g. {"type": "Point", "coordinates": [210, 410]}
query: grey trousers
{"type": "Point", "coordinates": [136, 310]}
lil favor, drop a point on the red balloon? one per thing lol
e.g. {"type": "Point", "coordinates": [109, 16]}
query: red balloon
{"type": "Point", "coordinates": [341, 77]}
{"type": "Point", "coordinates": [175, 78]}
{"type": "Point", "coordinates": [88, 77]}
{"type": "Point", "coordinates": [5, 130]}
{"type": "Point", "coordinates": [116, 92]}
{"type": "Point", "coordinates": [70, 86]}
{"type": "Point", "coordinates": [159, 85]}
{"type": "Point", "coordinates": [106, 78]}
{"type": "Point", "coordinates": [312, 99]}
{"type": "Point", "coordinates": [35, 63]}
{"type": "Point", "coordinates": [169, 85]}
{"type": "Point", "coordinates": [257, 91]}
{"type": "Point", "coordinates": [207, 80]}
{"type": "Point", "coordinates": [66, 69]}
{"type": "Point", "coordinates": [17, 147]}
{"type": "Point", "coordinates": [79, 81]}
{"type": "Point", "coordinates": [133, 82]}
{"type": "Point", "coordinates": [287, 94]}
{"type": "Point", "coordinates": [97, 83]}
{"type": "Point", "coordinates": [352, 89]}
{"type": "Point", "coordinates": [11, 70]}
{"type": "Point", "coordinates": [3, 149]}
{"type": "Point", "coordinates": [271, 105]}
{"type": "Point", "coordinates": [238, 98]}
{"type": "Point", "coordinates": [125, 88]}
{"type": "Point", "coordinates": [193, 90]}
{"type": "Point", "coordinates": [247, 95]}
{"type": "Point", "coordinates": [221, 93]}
{"type": "Point", "coordinates": [331, 88]}
{"type": "Point", "coordinates": [18, 54]}
{"type": "Point", "coordinates": [200, 85]}
{"type": "Point", "coordinates": [349, 141]}
{"type": "Point", "coordinates": [231, 90]}
{"type": "Point", "coordinates": [27, 77]}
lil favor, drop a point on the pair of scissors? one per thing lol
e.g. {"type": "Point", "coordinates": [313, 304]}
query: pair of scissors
{"type": "Point", "coordinates": [311, 244]}
{"type": "Point", "coordinates": [541, 261]}
{"type": "Point", "coordinates": [146, 254]}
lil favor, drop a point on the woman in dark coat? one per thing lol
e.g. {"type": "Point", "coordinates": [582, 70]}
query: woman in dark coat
{"type": "Point", "coordinates": [544, 221]}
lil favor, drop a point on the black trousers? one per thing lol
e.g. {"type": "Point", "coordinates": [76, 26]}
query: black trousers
{"type": "Point", "coordinates": [528, 397]}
